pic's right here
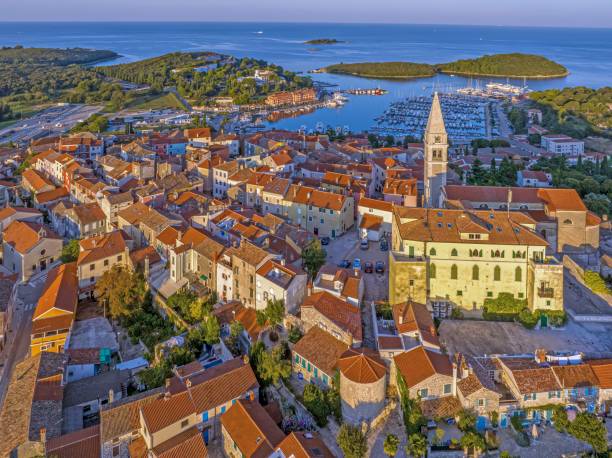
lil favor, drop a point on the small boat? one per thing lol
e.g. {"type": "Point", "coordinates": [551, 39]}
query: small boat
{"type": "Point", "coordinates": [259, 32]}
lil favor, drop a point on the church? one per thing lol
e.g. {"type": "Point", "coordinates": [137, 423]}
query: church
{"type": "Point", "coordinates": [457, 258]}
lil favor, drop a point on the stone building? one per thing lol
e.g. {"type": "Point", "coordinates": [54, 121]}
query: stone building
{"type": "Point", "coordinates": [560, 214]}
{"type": "Point", "coordinates": [334, 315]}
{"type": "Point", "coordinates": [459, 258]}
{"type": "Point", "coordinates": [426, 374]}
{"type": "Point", "coordinates": [363, 384]}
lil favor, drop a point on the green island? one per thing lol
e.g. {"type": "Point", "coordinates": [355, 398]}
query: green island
{"type": "Point", "coordinates": [323, 41]}
{"type": "Point", "coordinates": [498, 65]}
{"type": "Point", "coordinates": [33, 78]}
{"type": "Point", "coordinates": [385, 70]}
{"type": "Point", "coordinates": [515, 65]}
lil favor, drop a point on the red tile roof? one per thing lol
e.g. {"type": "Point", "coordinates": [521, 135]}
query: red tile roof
{"type": "Point", "coordinates": [362, 366]}
{"type": "Point", "coordinates": [344, 315]}
{"type": "Point", "coordinates": [418, 364]}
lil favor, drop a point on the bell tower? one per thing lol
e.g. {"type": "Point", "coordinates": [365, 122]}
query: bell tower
{"type": "Point", "coordinates": [436, 155]}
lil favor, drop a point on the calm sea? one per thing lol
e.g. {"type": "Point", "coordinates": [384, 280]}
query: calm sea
{"type": "Point", "coordinates": [587, 53]}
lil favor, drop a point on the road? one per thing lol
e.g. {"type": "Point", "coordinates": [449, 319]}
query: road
{"type": "Point", "coordinates": [55, 120]}
{"type": "Point", "coordinates": [18, 341]}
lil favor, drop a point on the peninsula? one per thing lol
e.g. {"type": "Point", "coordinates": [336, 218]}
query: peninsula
{"type": "Point", "coordinates": [323, 41]}
{"type": "Point", "coordinates": [497, 65]}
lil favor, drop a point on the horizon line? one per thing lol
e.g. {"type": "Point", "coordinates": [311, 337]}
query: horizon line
{"type": "Point", "coordinates": [160, 21]}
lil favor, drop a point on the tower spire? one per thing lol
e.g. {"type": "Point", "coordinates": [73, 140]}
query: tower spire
{"type": "Point", "coordinates": [435, 122]}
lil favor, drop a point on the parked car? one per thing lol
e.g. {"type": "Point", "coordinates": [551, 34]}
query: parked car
{"type": "Point", "coordinates": [357, 264]}
{"type": "Point", "coordinates": [345, 264]}
{"type": "Point", "coordinates": [365, 244]}
{"type": "Point", "coordinates": [380, 267]}
{"type": "Point", "coordinates": [324, 240]}
{"type": "Point", "coordinates": [368, 268]}
{"type": "Point", "coordinates": [384, 245]}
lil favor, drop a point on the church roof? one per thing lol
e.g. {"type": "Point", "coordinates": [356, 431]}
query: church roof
{"type": "Point", "coordinates": [435, 122]}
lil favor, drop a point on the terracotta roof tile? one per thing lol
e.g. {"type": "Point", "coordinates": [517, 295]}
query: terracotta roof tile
{"type": "Point", "coordinates": [252, 429]}
{"type": "Point", "coordinates": [344, 315]}
{"type": "Point", "coordinates": [321, 349]}
{"type": "Point", "coordinates": [362, 365]}
{"type": "Point", "coordinates": [23, 236]}
{"type": "Point", "coordinates": [189, 443]}
{"type": "Point", "coordinates": [418, 364]}
{"type": "Point", "coordinates": [78, 444]}
{"type": "Point", "coordinates": [60, 291]}
{"type": "Point", "coordinates": [301, 444]}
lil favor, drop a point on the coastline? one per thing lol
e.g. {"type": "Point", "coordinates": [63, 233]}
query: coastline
{"type": "Point", "coordinates": [445, 72]}
{"type": "Point", "coordinates": [518, 77]}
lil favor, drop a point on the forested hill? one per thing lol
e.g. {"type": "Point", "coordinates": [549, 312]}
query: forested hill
{"type": "Point", "coordinates": [506, 65]}
{"type": "Point", "coordinates": [198, 76]}
{"type": "Point", "coordinates": [49, 56]}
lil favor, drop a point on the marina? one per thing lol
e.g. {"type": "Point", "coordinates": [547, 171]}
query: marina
{"type": "Point", "coordinates": [466, 117]}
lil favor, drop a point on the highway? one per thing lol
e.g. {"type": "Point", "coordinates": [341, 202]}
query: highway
{"type": "Point", "coordinates": [55, 120]}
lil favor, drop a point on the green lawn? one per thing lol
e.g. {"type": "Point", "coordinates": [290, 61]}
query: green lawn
{"type": "Point", "coordinates": [157, 102]}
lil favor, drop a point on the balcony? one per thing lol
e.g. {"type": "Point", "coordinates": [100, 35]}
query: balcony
{"type": "Point", "coordinates": [546, 292]}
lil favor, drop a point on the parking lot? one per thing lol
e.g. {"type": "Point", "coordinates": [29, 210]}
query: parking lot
{"type": "Point", "coordinates": [347, 247]}
{"type": "Point", "coordinates": [376, 285]}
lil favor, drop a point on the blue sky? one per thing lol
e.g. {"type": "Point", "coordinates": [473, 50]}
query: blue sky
{"type": "Point", "coordinates": [583, 13]}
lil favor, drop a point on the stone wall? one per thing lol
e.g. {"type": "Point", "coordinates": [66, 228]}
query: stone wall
{"type": "Point", "coordinates": [361, 401]}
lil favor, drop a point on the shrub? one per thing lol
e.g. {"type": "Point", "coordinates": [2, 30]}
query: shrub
{"type": "Point", "coordinates": [596, 283]}
{"type": "Point", "coordinates": [528, 319]}
{"type": "Point", "coordinates": [466, 421]}
{"type": "Point", "coordinates": [352, 442]}
{"type": "Point", "coordinates": [587, 427]}
{"type": "Point", "coordinates": [294, 334]}
{"type": "Point", "coordinates": [559, 419]}
{"type": "Point", "coordinates": [315, 401]}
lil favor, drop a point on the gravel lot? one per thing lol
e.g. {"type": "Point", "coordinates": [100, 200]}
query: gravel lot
{"type": "Point", "coordinates": [489, 337]}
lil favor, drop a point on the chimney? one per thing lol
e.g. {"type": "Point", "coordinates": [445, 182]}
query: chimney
{"type": "Point", "coordinates": [540, 355]}
{"type": "Point", "coordinates": [168, 383]}
{"type": "Point", "coordinates": [432, 330]}
{"type": "Point", "coordinates": [111, 396]}
{"type": "Point", "coordinates": [282, 261]}
{"type": "Point", "coordinates": [188, 383]}
{"type": "Point", "coordinates": [309, 288]}
{"type": "Point", "coordinates": [43, 435]}
{"type": "Point", "coordinates": [401, 319]}
{"type": "Point", "coordinates": [454, 386]}
{"type": "Point", "coordinates": [146, 267]}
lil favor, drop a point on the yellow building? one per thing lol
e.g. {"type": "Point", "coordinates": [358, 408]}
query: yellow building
{"type": "Point", "coordinates": [55, 310]}
{"type": "Point", "coordinates": [449, 258]}
{"type": "Point", "coordinates": [323, 213]}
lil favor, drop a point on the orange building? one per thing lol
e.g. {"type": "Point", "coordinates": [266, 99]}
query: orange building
{"type": "Point", "coordinates": [55, 310]}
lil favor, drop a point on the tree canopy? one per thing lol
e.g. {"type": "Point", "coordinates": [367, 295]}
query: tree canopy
{"type": "Point", "coordinates": [70, 251]}
{"type": "Point", "coordinates": [313, 257]}
{"type": "Point", "coordinates": [352, 442]}
{"type": "Point", "coordinates": [123, 290]}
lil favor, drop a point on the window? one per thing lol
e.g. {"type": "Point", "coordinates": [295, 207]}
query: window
{"type": "Point", "coordinates": [92, 266]}
{"type": "Point", "coordinates": [297, 358]}
{"type": "Point", "coordinates": [518, 274]}
{"type": "Point", "coordinates": [223, 409]}
{"type": "Point", "coordinates": [423, 393]}
{"type": "Point", "coordinates": [454, 252]}
{"type": "Point", "coordinates": [497, 273]}
{"type": "Point", "coordinates": [432, 252]}
{"type": "Point", "coordinates": [459, 293]}
{"type": "Point", "coordinates": [475, 273]}
{"type": "Point", "coordinates": [447, 388]}
{"type": "Point", "coordinates": [454, 272]}
{"type": "Point", "coordinates": [432, 271]}
{"type": "Point", "coordinates": [411, 251]}
{"type": "Point", "coordinates": [481, 402]}
{"type": "Point", "coordinates": [105, 262]}
{"type": "Point", "coordinates": [119, 258]}
{"type": "Point", "coordinates": [520, 295]}
{"type": "Point", "coordinates": [489, 293]}
{"type": "Point", "coordinates": [205, 416]}
{"type": "Point", "coordinates": [116, 450]}
{"type": "Point", "coordinates": [567, 221]}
